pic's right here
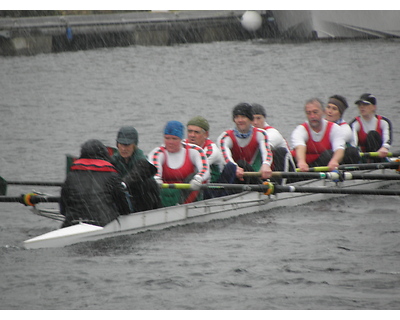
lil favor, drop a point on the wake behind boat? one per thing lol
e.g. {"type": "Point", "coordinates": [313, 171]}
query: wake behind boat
{"type": "Point", "coordinates": [251, 199]}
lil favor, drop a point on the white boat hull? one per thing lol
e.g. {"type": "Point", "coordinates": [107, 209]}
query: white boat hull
{"type": "Point", "coordinates": [202, 211]}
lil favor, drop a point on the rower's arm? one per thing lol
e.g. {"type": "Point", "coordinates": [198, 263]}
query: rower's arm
{"type": "Point", "coordinates": [301, 158]}
{"type": "Point", "coordinates": [336, 159]}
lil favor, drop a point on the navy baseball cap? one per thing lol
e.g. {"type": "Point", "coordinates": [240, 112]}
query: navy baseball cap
{"type": "Point", "coordinates": [366, 98]}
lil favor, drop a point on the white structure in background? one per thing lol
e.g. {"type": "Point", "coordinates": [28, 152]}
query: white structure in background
{"type": "Point", "coordinates": [329, 24]}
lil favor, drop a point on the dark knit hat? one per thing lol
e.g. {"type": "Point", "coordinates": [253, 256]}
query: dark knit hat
{"type": "Point", "coordinates": [128, 135]}
{"type": "Point", "coordinates": [340, 102]}
{"type": "Point", "coordinates": [200, 122]}
{"type": "Point", "coordinates": [94, 149]}
{"type": "Point", "coordinates": [259, 109]}
{"type": "Point", "coordinates": [174, 128]}
{"type": "Point", "coordinates": [243, 109]}
{"type": "Point", "coordinates": [366, 98]}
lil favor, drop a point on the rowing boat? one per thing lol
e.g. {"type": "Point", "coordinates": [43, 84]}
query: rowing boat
{"type": "Point", "coordinates": [245, 202]}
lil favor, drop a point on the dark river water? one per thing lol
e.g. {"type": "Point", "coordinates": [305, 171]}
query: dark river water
{"type": "Point", "coordinates": [341, 254]}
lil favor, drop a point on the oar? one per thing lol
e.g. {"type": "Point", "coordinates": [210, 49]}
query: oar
{"type": "Point", "coordinates": [368, 176]}
{"type": "Point", "coordinates": [376, 154]}
{"type": "Point", "coordinates": [3, 186]}
{"type": "Point", "coordinates": [36, 183]}
{"type": "Point", "coordinates": [339, 176]}
{"type": "Point", "coordinates": [367, 166]}
{"type": "Point", "coordinates": [387, 192]}
{"type": "Point", "coordinates": [176, 186]}
{"type": "Point", "coordinates": [224, 186]}
{"type": "Point", "coordinates": [359, 166]}
{"type": "Point", "coordinates": [4, 183]}
{"type": "Point", "coordinates": [30, 199]}
{"type": "Point", "coordinates": [270, 188]}
{"type": "Point", "coordinates": [315, 169]}
{"type": "Point", "coordinates": [302, 175]}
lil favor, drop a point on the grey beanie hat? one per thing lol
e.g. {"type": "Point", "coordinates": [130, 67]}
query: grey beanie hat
{"type": "Point", "coordinates": [128, 135]}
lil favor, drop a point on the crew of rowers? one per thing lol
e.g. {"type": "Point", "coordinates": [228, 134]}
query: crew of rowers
{"type": "Point", "coordinates": [324, 139]}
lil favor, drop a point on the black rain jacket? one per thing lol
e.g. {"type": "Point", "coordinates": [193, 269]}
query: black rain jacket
{"type": "Point", "coordinates": [93, 191]}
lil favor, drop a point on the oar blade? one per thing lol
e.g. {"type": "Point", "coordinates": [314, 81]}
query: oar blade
{"type": "Point", "coordinates": [3, 187]}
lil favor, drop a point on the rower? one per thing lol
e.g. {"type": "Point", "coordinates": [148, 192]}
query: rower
{"type": "Point", "coordinates": [334, 111]}
{"type": "Point", "coordinates": [282, 158]}
{"type": "Point", "coordinates": [198, 133]}
{"type": "Point", "coordinates": [179, 162]}
{"type": "Point", "coordinates": [136, 171]}
{"type": "Point", "coordinates": [317, 142]}
{"type": "Point", "coordinates": [93, 191]}
{"type": "Point", "coordinates": [245, 148]}
{"type": "Point", "coordinates": [372, 132]}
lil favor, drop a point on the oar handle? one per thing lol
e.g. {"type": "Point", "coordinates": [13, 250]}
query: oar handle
{"type": "Point", "coordinates": [175, 186]}
{"type": "Point", "coordinates": [316, 169]}
{"type": "Point", "coordinates": [376, 154]}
